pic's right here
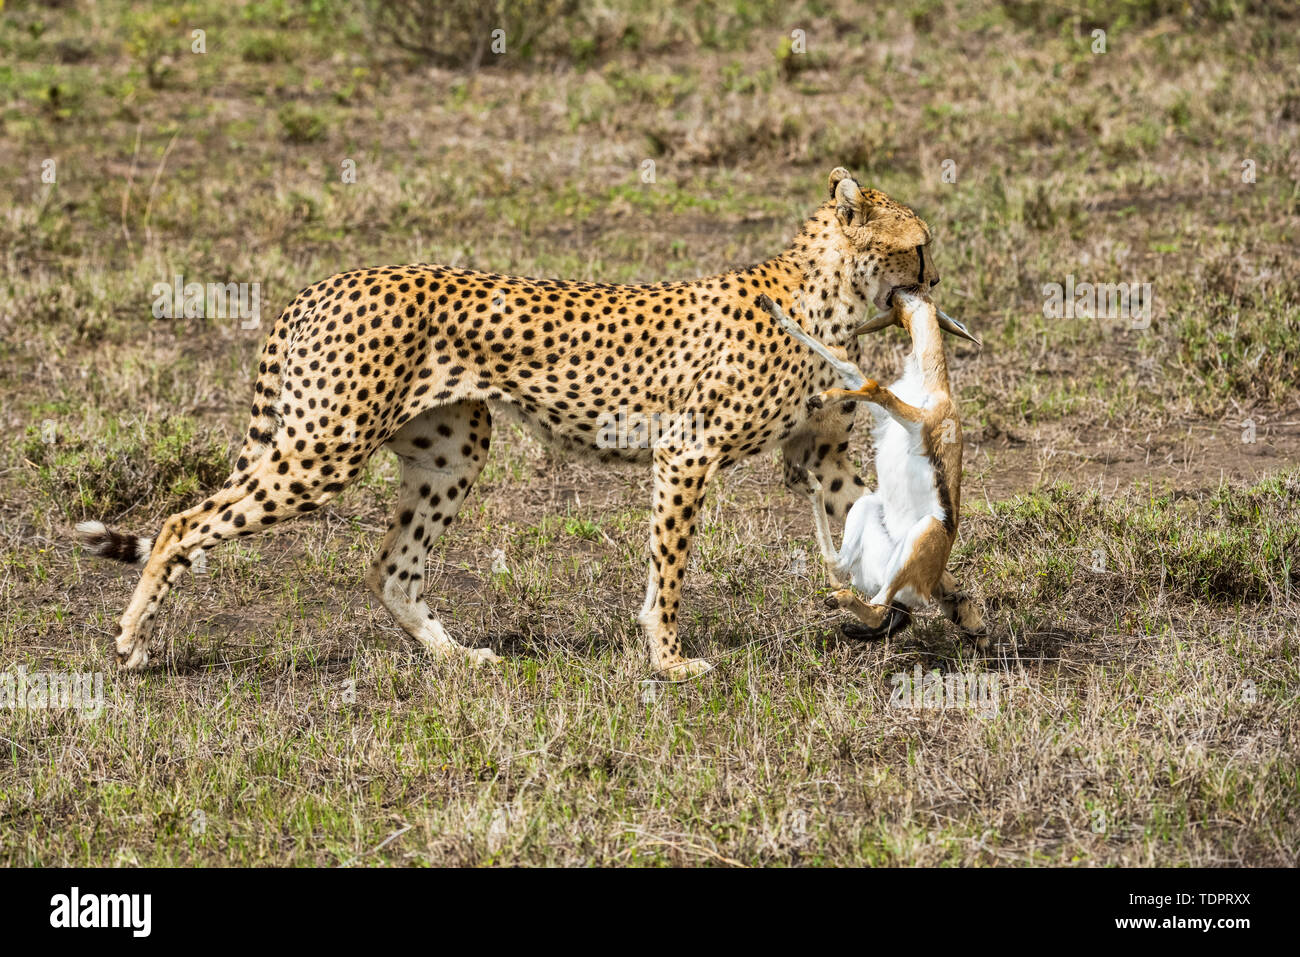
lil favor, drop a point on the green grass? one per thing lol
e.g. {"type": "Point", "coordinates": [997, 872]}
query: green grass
{"type": "Point", "coordinates": [1233, 545]}
{"type": "Point", "coordinates": [93, 469]}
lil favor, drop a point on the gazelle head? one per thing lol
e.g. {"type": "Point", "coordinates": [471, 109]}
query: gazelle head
{"type": "Point", "coordinates": [909, 305]}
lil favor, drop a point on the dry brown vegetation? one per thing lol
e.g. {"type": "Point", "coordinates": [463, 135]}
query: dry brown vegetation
{"type": "Point", "coordinates": [1136, 556]}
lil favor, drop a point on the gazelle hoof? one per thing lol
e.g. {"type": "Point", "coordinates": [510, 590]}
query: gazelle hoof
{"type": "Point", "coordinates": [899, 617]}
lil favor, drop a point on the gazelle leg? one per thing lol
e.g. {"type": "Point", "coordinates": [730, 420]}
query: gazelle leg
{"type": "Point", "coordinates": [917, 565]}
{"type": "Point", "coordinates": [911, 580]}
{"type": "Point", "coordinates": [963, 611]}
{"type": "Point", "coordinates": [822, 529]}
{"type": "Point", "coordinates": [871, 391]}
{"type": "Point", "coordinates": [880, 621]}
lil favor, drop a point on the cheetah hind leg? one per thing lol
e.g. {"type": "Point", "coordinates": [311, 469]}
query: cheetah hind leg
{"type": "Point", "coordinates": [237, 511]}
{"type": "Point", "coordinates": [442, 452]}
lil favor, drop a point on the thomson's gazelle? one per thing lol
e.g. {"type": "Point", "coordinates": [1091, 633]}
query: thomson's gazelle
{"type": "Point", "coordinates": [897, 539]}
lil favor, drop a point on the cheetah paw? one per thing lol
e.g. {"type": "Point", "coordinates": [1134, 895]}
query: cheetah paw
{"type": "Point", "coordinates": [686, 669]}
{"type": "Point", "coordinates": [133, 657]}
{"type": "Point", "coordinates": [482, 656]}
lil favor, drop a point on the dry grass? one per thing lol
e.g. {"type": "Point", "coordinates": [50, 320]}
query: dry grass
{"type": "Point", "coordinates": [1136, 556]}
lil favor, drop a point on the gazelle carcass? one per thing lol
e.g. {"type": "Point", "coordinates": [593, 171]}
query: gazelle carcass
{"type": "Point", "coordinates": [897, 539]}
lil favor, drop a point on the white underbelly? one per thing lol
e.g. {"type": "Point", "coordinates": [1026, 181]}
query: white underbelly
{"type": "Point", "coordinates": [905, 474]}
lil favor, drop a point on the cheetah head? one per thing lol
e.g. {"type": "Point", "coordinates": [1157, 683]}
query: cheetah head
{"type": "Point", "coordinates": [883, 245]}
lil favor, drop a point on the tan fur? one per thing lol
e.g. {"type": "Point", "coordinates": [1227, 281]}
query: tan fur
{"type": "Point", "coordinates": [412, 357]}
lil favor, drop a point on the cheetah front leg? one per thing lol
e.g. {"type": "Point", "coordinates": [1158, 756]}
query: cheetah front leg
{"type": "Point", "coordinates": [821, 527]}
{"type": "Point", "coordinates": [822, 447]}
{"type": "Point", "coordinates": [680, 479]}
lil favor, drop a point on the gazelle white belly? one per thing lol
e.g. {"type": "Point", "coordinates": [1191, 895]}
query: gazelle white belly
{"type": "Point", "coordinates": [881, 525]}
{"type": "Point", "coordinates": [907, 486]}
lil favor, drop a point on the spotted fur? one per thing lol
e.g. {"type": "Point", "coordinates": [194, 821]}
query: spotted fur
{"type": "Point", "coordinates": [414, 357]}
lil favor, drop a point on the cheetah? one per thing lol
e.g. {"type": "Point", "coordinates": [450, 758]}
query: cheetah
{"type": "Point", "coordinates": [416, 357]}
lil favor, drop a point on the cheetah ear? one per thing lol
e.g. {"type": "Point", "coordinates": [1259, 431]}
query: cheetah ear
{"type": "Point", "coordinates": [848, 198]}
{"type": "Point", "coordinates": [837, 174]}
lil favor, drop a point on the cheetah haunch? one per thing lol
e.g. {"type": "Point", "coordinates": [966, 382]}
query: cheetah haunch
{"type": "Point", "coordinates": [412, 356]}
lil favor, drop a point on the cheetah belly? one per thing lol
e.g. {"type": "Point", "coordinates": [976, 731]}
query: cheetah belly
{"type": "Point", "coordinates": [566, 435]}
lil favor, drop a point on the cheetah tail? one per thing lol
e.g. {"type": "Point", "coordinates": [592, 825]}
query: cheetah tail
{"type": "Point", "coordinates": [100, 540]}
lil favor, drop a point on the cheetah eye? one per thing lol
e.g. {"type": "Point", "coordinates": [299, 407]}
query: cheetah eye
{"type": "Point", "coordinates": [933, 283]}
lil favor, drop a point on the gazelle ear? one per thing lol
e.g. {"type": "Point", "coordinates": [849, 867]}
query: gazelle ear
{"type": "Point", "coordinates": [848, 199]}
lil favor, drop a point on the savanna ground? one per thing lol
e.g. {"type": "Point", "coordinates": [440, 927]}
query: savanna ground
{"type": "Point", "coordinates": [1135, 550]}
